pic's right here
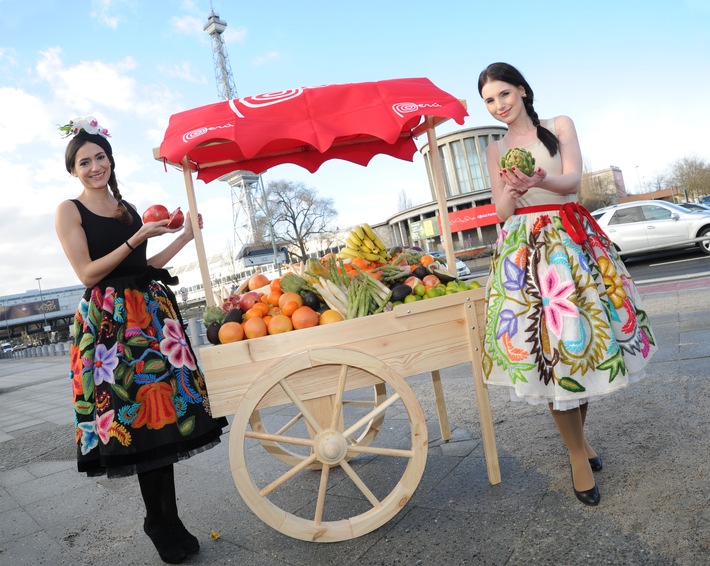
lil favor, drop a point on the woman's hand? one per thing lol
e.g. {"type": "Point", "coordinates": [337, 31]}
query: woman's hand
{"type": "Point", "coordinates": [152, 229]}
{"type": "Point", "coordinates": [518, 183]}
{"type": "Point", "coordinates": [188, 231]}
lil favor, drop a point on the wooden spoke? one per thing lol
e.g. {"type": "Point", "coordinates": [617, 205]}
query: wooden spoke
{"type": "Point", "coordinates": [352, 474]}
{"type": "Point", "coordinates": [337, 410]}
{"type": "Point", "coordinates": [310, 419]}
{"type": "Point", "coordinates": [290, 423]}
{"type": "Point", "coordinates": [279, 438]}
{"type": "Point", "coordinates": [371, 415]}
{"type": "Point", "coordinates": [287, 476]}
{"type": "Point", "coordinates": [320, 502]}
{"type": "Point", "coordinates": [381, 451]}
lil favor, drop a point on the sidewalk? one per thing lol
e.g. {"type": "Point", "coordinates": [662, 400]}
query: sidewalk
{"type": "Point", "coordinates": [654, 438]}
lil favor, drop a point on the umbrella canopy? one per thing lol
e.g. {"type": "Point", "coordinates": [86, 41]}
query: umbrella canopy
{"type": "Point", "coordinates": [307, 126]}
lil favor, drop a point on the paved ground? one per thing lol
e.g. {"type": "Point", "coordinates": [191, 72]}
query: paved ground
{"type": "Point", "coordinates": [654, 438]}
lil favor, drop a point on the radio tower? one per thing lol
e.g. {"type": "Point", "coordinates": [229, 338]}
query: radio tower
{"type": "Point", "coordinates": [240, 182]}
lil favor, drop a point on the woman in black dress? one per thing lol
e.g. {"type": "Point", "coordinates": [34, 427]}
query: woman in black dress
{"type": "Point", "coordinates": [139, 397]}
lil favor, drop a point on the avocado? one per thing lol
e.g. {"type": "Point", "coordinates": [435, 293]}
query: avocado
{"type": "Point", "coordinates": [235, 315]}
{"type": "Point", "coordinates": [420, 271]}
{"type": "Point", "coordinates": [400, 292]}
{"type": "Point", "coordinates": [213, 333]}
{"type": "Point", "coordinates": [444, 276]}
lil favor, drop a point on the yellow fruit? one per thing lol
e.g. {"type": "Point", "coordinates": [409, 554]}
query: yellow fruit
{"type": "Point", "coordinates": [230, 332]}
{"type": "Point", "coordinates": [329, 316]}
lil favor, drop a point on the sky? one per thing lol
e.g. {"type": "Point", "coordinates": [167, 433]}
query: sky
{"type": "Point", "coordinates": [632, 74]}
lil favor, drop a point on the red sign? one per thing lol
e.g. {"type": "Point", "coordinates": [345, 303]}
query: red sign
{"type": "Point", "coordinates": [473, 218]}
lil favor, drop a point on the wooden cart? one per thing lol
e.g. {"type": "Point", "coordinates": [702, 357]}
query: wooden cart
{"type": "Point", "coordinates": [311, 450]}
{"type": "Point", "coordinates": [327, 391]}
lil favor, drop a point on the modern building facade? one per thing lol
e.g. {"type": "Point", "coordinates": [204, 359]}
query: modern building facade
{"type": "Point", "coordinates": [468, 195]}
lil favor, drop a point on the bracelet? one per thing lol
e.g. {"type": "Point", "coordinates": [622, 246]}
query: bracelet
{"type": "Point", "coordinates": [130, 247]}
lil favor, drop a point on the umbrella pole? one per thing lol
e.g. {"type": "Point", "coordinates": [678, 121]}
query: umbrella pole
{"type": "Point", "coordinates": [199, 242]}
{"type": "Point", "coordinates": [437, 174]}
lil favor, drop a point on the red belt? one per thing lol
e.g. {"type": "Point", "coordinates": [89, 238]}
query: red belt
{"type": "Point", "coordinates": [572, 215]}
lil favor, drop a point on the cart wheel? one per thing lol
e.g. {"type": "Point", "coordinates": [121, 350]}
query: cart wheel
{"type": "Point", "coordinates": [293, 458]}
{"type": "Point", "coordinates": [364, 485]}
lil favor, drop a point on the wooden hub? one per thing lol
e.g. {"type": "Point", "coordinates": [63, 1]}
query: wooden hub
{"type": "Point", "coordinates": [330, 447]}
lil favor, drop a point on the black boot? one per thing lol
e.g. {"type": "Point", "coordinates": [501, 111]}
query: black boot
{"type": "Point", "coordinates": [165, 543]}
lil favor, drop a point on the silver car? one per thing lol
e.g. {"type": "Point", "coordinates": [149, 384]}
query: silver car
{"type": "Point", "coordinates": [642, 224]}
{"type": "Point", "coordinates": [462, 269]}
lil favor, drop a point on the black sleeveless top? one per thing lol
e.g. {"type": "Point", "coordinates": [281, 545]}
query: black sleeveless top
{"type": "Point", "coordinates": [104, 235]}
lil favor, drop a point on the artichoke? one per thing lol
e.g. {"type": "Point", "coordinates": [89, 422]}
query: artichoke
{"type": "Point", "coordinates": [520, 158]}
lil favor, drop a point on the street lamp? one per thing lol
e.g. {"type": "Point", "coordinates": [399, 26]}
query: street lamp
{"type": "Point", "coordinates": [41, 300]}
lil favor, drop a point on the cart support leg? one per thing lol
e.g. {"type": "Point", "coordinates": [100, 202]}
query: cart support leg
{"type": "Point", "coordinates": [490, 451]}
{"type": "Point", "coordinates": [444, 425]}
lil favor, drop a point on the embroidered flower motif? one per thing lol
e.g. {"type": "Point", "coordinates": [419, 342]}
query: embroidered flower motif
{"type": "Point", "coordinates": [105, 361]}
{"type": "Point", "coordinates": [89, 439]}
{"type": "Point", "coordinates": [138, 316]}
{"type": "Point", "coordinates": [612, 281]}
{"type": "Point", "coordinates": [508, 323]}
{"type": "Point", "coordinates": [646, 348]}
{"type": "Point", "coordinates": [175, 346]}
{"type": "Point", "coordinates": [514, 275]}
{"type": "Point", "coordinates": [108, 300]}
{"type": "Point", "coordinates": [157, 408]}
{"type": "Point", "coordinates": [555, 303]}
{"type": "Point", "coordinates": [103, 426]}
{"type": "Point", "coordinates": [119, 310]}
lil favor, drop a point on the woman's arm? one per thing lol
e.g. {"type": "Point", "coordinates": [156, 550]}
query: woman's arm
{"type": "Point", "coordinates": [568, 182]}
{"type": "Point", "coordinates": [162, 258]}
{"type": "Point", "coordinates": [67, 222]}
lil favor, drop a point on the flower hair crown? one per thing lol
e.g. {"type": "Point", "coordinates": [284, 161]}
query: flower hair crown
{"type": "Point", "coordinates": [87, 123]}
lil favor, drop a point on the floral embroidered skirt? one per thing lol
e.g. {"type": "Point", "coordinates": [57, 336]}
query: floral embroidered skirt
{"type": "Point", "coordinates": [140, 400]}
{"type": "Point", "coordinates": [564, 320]}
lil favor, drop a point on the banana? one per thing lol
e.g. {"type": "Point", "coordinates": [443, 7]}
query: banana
{"type": "Point", "coordinates": [374, 237]}
{"type": "Point", "coordinates": [370, 245]}
{"type": "Point", "coordinates": [348, 252]}
{"type": "Point", "coordinates": [352, 242]}
{"type": "Point", "coordinates": [369, 232]}
{"type": "Point", "coordinates": [359, 231]}
{"type": "Point", "coordinates": [374, 257]}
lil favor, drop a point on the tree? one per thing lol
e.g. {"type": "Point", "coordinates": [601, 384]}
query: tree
{"type": "Point", "coordinates": [596, 190]}
{"type": "Point", "coordinates": [691, 175]}
{"type": "Point", "coordinates": [299, 217]}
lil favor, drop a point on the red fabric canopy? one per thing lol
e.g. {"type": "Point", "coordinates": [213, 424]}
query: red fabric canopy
{"type": "Point", "coordinates": [306, 126]}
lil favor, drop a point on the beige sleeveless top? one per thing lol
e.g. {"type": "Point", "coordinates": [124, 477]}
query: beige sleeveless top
{"type": "Point", "coordinates": [552, 165]}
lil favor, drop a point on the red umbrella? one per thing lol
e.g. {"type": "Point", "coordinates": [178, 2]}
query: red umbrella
{"type": "Point", "coordinates": [306, 126]}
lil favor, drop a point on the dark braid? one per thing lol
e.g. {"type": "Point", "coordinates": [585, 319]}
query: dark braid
{"type": "Point", "coordinates": [122, 213]}
{"type": "Point", "coordinates": [509, 74]}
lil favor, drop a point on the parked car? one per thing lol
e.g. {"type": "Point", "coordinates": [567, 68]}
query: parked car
{"type": "Point", "coordinates": [462, 269]}
{"type": "Point", "coordinates": [692, 206]}
{"type": "Point", "coordinates": [6, 348]}
{"type": "Point", "coordinates": [634, 226]}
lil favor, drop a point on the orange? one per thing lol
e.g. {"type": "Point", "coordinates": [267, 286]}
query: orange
{"type": "Point", "coordinates": [263, 307]}
{"type": "Point", "coordinates": [273, 298]}
{"type": "Point", "coordinates": [267, 319]}
{"type": "Point", "coordinates": [255, 328]}
{"type": "Point", "coordinates": [329, 316]}
{"type": "Point", "coordinates": [361, 262]}
{"type": "Point", "coordinates": [288, 297]}
{"type": "Point", "coordinates": [279, 324]}
{"type": "Point", "coordinates": [253, 313]}
{"type": "Point", "coordinates": [275, 285]}
{"type": "Point", "coordinates": [230, 332]}
{"type": "Point", "coordinates": [289, 308]}
{"type": "Point", "coordinates": [426, 259]}
{"type": "Point", "coordinates": [257, 281]}
{"type": "Point", "coordinates": [304, 317]}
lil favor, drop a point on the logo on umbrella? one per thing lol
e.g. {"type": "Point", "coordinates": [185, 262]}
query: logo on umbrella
{"type": "Point", "coordinates": [191, 135]}
{"type": "Point", "coordinates": [402, 108]}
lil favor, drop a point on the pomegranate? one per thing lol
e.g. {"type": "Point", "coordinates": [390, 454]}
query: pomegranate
{"type": "Point", "coordinates": [155, 213]}
{"type": "Point", "coordinates": [247, 300]}
{"type": "Point", "coordinates": [177, 219]}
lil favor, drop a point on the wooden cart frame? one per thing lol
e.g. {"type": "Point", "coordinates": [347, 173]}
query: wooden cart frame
{"type": "Point", "coordinates": [314, 370]}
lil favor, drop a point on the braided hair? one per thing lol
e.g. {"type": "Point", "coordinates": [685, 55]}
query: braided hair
{"type": "Point", "coordinates": [122, 213]}
{"type": "Point", "coordinates": [509, 74]}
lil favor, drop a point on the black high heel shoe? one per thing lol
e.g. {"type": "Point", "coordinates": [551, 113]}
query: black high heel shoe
{"type": "Point", "coordinates": [596, 463]}
{"type": "Point", "coordinates": [588, 496]}
{"type": "Point", "coordinates": [168, 548]}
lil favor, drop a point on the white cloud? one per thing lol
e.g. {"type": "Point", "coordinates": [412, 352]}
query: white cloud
{"type": "Point", "coordinates": [260, 60]}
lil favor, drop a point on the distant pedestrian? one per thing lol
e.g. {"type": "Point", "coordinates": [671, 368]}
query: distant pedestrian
{"type": "Point", "coordinates": [564, 321]}
{"type": "Point", "coordinates": [139, 397]}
